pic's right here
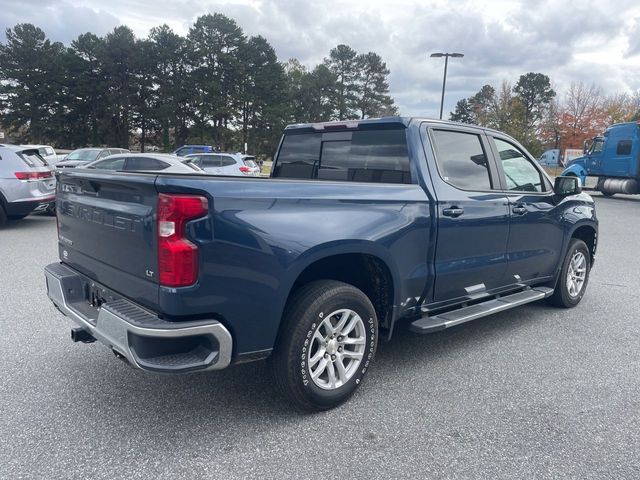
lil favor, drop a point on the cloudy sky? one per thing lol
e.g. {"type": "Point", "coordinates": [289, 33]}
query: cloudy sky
{"type": "Point", "coordinates": [587, 40]}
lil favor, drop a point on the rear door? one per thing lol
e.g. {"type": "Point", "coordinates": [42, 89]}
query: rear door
{"type": "Point", "coordinates": [107, 230]}
{"type": "Point", "coordinates": [536, 234]}
{"type": "Point", "coordinates": [473, 217]}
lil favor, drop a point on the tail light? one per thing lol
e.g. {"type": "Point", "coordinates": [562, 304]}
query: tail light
{"type": "Point", "coordinates": [33, 175]}
{"type": "Point", "coordinates": [177, 256]}
{"type": "Point", "coordinates": [245, 169]}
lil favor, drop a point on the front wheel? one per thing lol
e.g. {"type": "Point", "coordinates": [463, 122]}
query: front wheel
{"type": "Point", "coordinates": [574, 275]}
{"type": "Point", "coordinates": [326, 345]}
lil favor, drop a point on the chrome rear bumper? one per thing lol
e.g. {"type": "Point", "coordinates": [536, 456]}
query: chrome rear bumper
{"type": "Point", "coordinates": [138, 335]}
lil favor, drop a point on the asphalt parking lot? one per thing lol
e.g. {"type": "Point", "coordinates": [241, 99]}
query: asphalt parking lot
{"type": "Point", "coordinates": [532, 393]}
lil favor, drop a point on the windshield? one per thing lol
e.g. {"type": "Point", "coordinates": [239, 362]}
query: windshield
{"type": "Point", "coordinates": [86, 155]}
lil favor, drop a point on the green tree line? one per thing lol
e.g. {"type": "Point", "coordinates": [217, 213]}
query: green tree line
{"type": "Point", "coordinates": [215, 85]}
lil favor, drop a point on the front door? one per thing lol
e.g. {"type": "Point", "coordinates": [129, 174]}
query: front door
{"type": "Point", "coordinates": [595, 157]}
{"type": "Point", "coordinates": [473, 217]}
{"type": "Point", "coordinates": [536, 234]}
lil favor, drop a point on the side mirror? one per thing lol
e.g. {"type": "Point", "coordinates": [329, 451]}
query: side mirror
{"type": "Point", "coordinates": [565, 186]}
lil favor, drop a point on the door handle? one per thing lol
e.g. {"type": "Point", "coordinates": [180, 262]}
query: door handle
{"type": "Point", "coordinates": [519, 209]}
{"type": "Point", "coordinates": [453, 212]}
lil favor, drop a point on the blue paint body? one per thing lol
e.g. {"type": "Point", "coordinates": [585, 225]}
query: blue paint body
{"type": "Point", "coordinates": [261, 234]}
{"type": "Point", "coordinates": [610, 161]}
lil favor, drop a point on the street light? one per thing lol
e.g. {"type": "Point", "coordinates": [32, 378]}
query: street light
{"type": "Point", "coordinates": [444, 79]}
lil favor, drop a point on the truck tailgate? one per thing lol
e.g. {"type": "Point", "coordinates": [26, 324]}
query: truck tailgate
{"type": "Point", "coordinates": [107, 231]}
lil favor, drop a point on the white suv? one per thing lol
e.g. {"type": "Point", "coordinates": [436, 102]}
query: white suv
{"type": "Point", "coordinates": [229, 164]}
{"type": "Point", "coordinates": [27, 183]}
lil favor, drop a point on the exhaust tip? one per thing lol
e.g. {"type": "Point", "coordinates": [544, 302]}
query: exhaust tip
{"type": "Point", "coordinates": [79, 334]}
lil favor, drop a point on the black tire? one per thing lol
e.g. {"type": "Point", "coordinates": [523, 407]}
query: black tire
{"type": "Point", "coordinates": [306, 311]}
{"type": "Point", "coordinates": [561, 296]}
{"type": "Point", "coordinates": [3, 216]}
{"type": "Point", "coordinates": [607, 194]}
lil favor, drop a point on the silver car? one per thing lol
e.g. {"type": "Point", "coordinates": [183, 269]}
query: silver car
{"type": "Point", "coordinates": [144, 162]}
{"type": "Point", "coordinates": [27, 183]}
{"type": "Point", "coordinates": [83, 156]}
{"type": "Point", "coordinates": [230, 164]}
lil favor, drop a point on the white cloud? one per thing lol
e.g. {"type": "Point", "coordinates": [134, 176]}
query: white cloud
{"type": "Point", "coordinates": [501, 39]}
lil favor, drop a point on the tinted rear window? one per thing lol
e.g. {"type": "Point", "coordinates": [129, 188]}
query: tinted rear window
{"type": "Point", "coordinates": [32, 158]}
{"type": "Point", "coordinates": [624, 147]}
{"type": "Point", "coordinates": [227, 161]}
{"type": "Point", "coordinates": [378, 156]}
{"type": "Point", "coordinates": [145, 163]}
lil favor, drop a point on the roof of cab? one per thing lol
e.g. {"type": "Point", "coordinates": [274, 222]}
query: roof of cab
{"type": "Point", "coordinates": [384, 122]}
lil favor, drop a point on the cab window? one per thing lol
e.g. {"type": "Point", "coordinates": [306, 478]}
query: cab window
{"type": "Point", "coordinates": [519, 173]}
{"type": "Point", "coordinates": [461, 159]}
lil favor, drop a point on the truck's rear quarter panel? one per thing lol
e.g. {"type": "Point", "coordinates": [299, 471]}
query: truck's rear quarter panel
{"type": "Point", "coordinates": [258, 236]}
{"type": "Point", "coordinates": [266, 231]}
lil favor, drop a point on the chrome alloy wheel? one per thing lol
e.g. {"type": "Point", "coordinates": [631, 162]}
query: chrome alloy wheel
{"type": "Point", "coordinates": [576, 274]}
{"type": "Point", "coordinates": [337, 348]}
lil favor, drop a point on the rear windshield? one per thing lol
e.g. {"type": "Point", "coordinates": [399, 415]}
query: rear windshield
{"type": "Point", "coordinates": [32, 158]}
{"type": "Point", "coordinates": [250, 163]}
{"type": "Point", "coordinates": [376, 156]}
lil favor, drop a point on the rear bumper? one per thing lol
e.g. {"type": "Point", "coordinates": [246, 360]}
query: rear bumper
{"type": "Point", "coordinates": [25, 207]}
{"type": "Point", "coordinates": [141, 337]}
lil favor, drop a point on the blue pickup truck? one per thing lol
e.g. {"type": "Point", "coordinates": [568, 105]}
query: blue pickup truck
{"type": "Point", "coordinates": [361, 226]}
{"type": "Point", "coordinates": [613, 158]}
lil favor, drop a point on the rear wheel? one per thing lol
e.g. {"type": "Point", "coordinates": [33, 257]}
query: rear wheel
{"type": "Point", "coordinates": [574, 275]}
{"type": "Point", "coordinates": [3, 215]}
{"type": "Point", "coordinates": [606, 193]}
{"type": "Point", "coordinates": [328, 341]}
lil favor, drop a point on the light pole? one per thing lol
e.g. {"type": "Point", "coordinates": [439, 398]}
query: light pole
{"type": "Point", "coordinates": [444, 78]}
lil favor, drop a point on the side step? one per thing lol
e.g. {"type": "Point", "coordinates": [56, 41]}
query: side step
{"type": "Point", "coordinates": [444, 320]}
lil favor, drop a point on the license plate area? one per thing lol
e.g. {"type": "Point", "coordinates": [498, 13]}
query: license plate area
{"type": "Point", "coordinates": [97, 295]}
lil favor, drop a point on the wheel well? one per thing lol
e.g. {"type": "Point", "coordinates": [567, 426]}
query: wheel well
{"type": "Point", "coordinates": [587, 235]}
{"type": "Point", "coordinates": [365, 272]}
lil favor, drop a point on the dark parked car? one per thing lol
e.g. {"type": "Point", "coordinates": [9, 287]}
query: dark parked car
{"type": "Point", "coordinates": [85, 155]}
{"type": "Point", "coordinates": [363, 224]}
{"type": "Point", "coordinates": [185, 150]}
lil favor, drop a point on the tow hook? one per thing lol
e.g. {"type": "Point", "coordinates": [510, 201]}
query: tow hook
{"type": "Point", "coordinates": [79, 334]}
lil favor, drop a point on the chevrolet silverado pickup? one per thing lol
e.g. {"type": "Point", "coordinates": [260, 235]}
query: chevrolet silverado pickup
{"type": "Point", "coordinates": [362, 225]}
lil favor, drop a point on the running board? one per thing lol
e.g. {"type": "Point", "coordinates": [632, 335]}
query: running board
{"type": "Point", "coordinates": [435, 323]}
